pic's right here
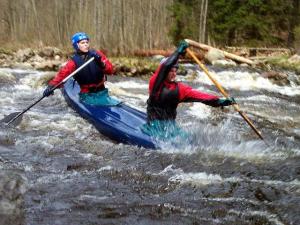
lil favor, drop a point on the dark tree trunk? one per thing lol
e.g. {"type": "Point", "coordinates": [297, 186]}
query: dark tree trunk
{"type": "Point", "coordinates": [294, 20]}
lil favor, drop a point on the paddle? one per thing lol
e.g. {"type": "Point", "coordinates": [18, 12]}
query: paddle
{"type": "Point", "coordinates": [236, 107]}
{"type": "Point", "coordinates": [15, 118]}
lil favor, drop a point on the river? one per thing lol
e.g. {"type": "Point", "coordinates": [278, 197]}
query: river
{"type": "Point", "coordinates": [74, 175]}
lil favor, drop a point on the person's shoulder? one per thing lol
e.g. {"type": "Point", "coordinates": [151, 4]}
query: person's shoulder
{"type": "Point", "coordinates": [71, 59]}
{"type": "Point", "coordinates": [104, 56]}
{"type": "Point", "coordinates": [69, 63]}
{"type": "Point", "coordinates": [98, 51]}
{"type": "Point", "coordinates": [183, 85]}
{"type": "Point", "coordinates": [73, 56]}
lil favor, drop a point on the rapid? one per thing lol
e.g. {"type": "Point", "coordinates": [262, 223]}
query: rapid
{"type": "Point", "coordinates": [71, 174]}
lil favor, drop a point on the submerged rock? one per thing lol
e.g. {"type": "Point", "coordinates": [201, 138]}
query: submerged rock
{"type": "Point", "coordinates": [277, 77]}
{"type": "Point", "coordinates": [23, 55]}
{"type": "Point", "coordinates": [214, 54]}
{"type": "Point", "coordinates": [24, 65]}
{"type": "Point", "coordinates": [7, 78]}
{"type": "Point", "coordinates": [49, 52]}
{"type": "Point", "coordinates": [12, 190]}
{"type": "Point", "coordinates": [294, 59]}
{"type": "Point", "coordinates": [44, 79]}
{"type": "Point", "coordinates": [224, 63]}
{"type": "Point", "coordinates": [49, 65]}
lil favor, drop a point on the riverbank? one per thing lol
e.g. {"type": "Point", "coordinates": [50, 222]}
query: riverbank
{"type": "Point", "coordinates": [141, 64]}
{"type": "Point", "coordinates": [52, 58]}
{"type": "Point", "coordinates": [291, 63]}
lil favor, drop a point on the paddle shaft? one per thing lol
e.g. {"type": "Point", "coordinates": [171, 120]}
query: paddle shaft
{"type": "Point", "coordinates": [55, 87]}
{"type": "Point", "coordinates": [220, 88]}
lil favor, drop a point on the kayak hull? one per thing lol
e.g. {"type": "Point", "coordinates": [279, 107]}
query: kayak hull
{"type": "Point", "coordinates": [121, 123]}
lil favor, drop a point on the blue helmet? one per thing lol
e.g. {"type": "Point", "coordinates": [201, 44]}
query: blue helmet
{"type": "Point", "coordinates": [78, 37]}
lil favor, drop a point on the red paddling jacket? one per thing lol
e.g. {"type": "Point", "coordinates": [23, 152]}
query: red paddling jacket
{"type": "Point", "coordinates": [165, 96]}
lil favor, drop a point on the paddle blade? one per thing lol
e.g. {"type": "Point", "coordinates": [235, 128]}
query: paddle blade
{"type": "Point", "coordinates": [12, 118]}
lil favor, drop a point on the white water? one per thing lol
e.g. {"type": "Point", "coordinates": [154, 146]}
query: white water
{"type": "Point", "coordinates": [51, 137]}
{"type": "Point", "coordinates": [215, 139]}
{"type": "Point", "coordinates": [244, 81]}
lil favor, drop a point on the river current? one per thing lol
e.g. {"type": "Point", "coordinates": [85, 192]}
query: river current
{"type": "Point", "coordinates": [74, 175]}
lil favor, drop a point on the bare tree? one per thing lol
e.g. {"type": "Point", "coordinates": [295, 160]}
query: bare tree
{"type": "Point", "coordinates": [202, 20]}
{"type": "Point", "coordinates": [119, 26]}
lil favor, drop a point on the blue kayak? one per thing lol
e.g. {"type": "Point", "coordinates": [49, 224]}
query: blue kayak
{"type": "Point", "coordinates": [121, 122]}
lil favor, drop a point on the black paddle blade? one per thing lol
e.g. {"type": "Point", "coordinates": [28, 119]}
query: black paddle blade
{"type": "Point", "coordinates": [11, 119]}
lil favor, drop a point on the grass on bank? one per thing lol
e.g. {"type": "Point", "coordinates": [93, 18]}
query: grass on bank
{"type": "Point", "coordinates": [284, 62]}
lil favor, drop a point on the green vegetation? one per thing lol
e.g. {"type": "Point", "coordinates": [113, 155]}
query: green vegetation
{"type": "Point", "coordinates": [297, 37]}
{"type": "Point", "coordinates": [250, 23]}
{"type": "Point", "coordinates": [6, 51]}
{"type": "Point", "coordinates": [284, 62]}
{"type": "Point", "coordinates": [134, 66]}
{"type": "Point", "coordinates": [183, 26]}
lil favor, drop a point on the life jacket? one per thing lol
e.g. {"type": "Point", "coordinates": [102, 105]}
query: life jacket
{"type": "Point", "coordinates": [163, 107]}
{"type": "Point", "coordinates": [91, 75]}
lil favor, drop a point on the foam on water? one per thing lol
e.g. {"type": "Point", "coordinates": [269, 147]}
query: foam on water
{"type": "Point", "coordinates": [225, 141]}
{"type": "Point", "coordinates": [94, 198]}
{"type": "Point", "coordinates": [259, 98]}
{"type": "Point", "coordinates": [22, 93]}
{"type": "Point", "coordinates": [105, 168]}
{"type": "Point", "coordinates": [60, 134]}
{"type": "Point", "coordinates": [129, 84]}
{"type": "Point", "coordinates": [244, 81]}
{"type": "Point", "coordinates": [42, 143]}
{"type": "Point", "coordinates": [134, 100]}
{"type": "Point", "coordinates": [54, 178]}
{"type": "Point", "coordinates": [200, 111]}
{"type": "Point", "coordinates": [18, 71]}
{"type": "Point", "coordinates": [203, 179]}
{"type": "Point", "coordinates": [196, 178]}
{"type": "Point", "coordinates": [273, 218]}
{"type": "Point", "coordinates": [221, 139]}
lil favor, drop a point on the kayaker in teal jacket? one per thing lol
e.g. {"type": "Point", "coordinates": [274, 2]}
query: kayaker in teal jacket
{"type": "Point", "coordinates": [92, 77]}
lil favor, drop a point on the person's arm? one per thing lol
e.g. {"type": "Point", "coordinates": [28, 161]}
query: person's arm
{"type": "Point", "coordinates": [108, 67]}
{"type": "Point", "coordinates": [188, 94]}
{"type": "Point", "coordinates": [163, 71]}
{"type": "Point", "coordinates": [63, 73]}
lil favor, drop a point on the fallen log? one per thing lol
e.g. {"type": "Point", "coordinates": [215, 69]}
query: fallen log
{"type": "Point", "coordinates": [226, 54]}
{"type": "Point", "coordinates": [260, 49]}
{"type": "Point", "coordinates": [165, 53]}
{"type": "Point", "coordinates": [152, 52]}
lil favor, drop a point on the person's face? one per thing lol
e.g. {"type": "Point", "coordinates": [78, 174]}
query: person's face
{"type": "Point", "coordinates": [172, 75]}
{"type": "Point", "coordinates": [84, 45]}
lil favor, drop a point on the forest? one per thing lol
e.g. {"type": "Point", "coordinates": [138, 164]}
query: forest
{"type": "Point", "coordinates": [124, 26]}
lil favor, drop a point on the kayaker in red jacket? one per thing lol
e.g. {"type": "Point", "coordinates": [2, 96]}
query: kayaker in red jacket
{"type": "Point", "coordinates": [165, 93]}
{"type": "Point", "coordinates": [92, 77]}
